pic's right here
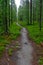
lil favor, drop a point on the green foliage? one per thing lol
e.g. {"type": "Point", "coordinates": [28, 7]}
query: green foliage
{"type": "Point", "coordinates": [7, 14]}
{"type": "Point", "coordinates": [10, 51]}
{"type": "Point", "coordinates": [2, 48]}
{"type": "Point", "coordinates": [3, 40]}
{"type": "Point", "coordinates": [3, 43]}
{"type": "Point", "coordinates": [15, 31]}
{"type": "Point", "coordinates": [35, 33]}
{"type": "Point", "coordinates": [23, 11]}
{"type": "Point", "coordinates": [40, 61]}
{"type": "Point", "coordinates": [17, 45]}
{"type": "Point", "coordinates": [22, 23]}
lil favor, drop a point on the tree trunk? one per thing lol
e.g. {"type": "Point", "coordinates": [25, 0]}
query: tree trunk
{"type": "Point", "coordinates": [40, 12]}
{"type": "Point", "coordinates": [30, 11]}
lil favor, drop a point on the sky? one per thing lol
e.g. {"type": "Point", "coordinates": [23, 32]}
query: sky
{"type": "Point", "coordinates": [17, 3]}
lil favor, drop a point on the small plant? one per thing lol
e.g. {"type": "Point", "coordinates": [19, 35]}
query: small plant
{"type": "Point", "coordinates": [10, 51]}
{"type": "Point", "coordinates": [40, 61]}
{"type": "Point", "coordinates": [15, 30]}
{"type": "Point", "coordinates": [2, 48]}
{"type": "Point", "coordinates": [17, 46]}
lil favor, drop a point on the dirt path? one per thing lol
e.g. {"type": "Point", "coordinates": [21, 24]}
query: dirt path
{"type": "Point", "coordinates": [25, 54]}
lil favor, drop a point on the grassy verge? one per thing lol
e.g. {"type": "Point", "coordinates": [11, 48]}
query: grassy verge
{"type": "Point", "coordinates": [15, 31]}
{"type": "Point", "coordinates": [6, 39]}
{"type": "Point", "coordinates": [35, 34]}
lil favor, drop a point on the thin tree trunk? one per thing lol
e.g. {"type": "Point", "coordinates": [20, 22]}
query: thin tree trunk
{"type": "Point", "coordinates": [6, 22]}
{"type": "Point", "coordinates": [30, 11]}
{"type": "Point", "coordinates": [40, 12]}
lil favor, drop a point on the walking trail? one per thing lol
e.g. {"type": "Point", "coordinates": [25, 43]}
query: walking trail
{"type": "Point", "coordinates": [25, 53]}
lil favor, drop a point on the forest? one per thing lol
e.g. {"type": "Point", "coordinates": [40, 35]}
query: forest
{"type": "Point", "coordinates": [19, 27]}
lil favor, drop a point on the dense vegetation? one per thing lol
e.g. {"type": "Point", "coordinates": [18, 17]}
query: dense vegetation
{"type": "Point", "coordinates": [7, 11]}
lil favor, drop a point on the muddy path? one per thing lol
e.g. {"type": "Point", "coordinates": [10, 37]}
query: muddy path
{"type": "Point", "coordinates": [25, 54]}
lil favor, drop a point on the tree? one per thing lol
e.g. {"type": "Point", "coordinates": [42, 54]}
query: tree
{"type": "Point", "coordinates": [13, 11]}
{"type": "Point", "coordinates": [34, 10]}
{"type": "Point", "coordinates": [20, 13]}
{"type": "Point", "coordinates": [27, 11]}
{"type": "Point", "coordinates": [5, 15]}
{"type": "Point", "coordinates": [23, 11]}
{"type": "Point", "coordinates": [30, 11]}
{"type": "Point", "coordinates": [40, 13]}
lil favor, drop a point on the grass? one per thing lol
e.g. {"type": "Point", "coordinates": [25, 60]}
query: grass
{"type": "Point", "coordinates": [1, 29]}
{"type": "Point", "coordinates": [2, 48]}
{"type": "Point", "coordinates": [3, 42]}
{"type": "Point", "coordinates": [15, 31]}
{"type": "Point", "coordinates": [40, 61]}
{"type": "Point", "coordinates": [22, 23]}
{"type": "Point", "coordinates": [35, 33]}
{"type": "Point", "coordinates": [6, 39]}
{"type": "Point", "coordinates": [10, 51]}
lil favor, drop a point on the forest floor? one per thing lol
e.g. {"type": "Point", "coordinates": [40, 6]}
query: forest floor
{"type": "Point", "coordinates": [22, 51]}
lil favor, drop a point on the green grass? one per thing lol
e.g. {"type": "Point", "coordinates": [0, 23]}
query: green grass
{"type": "Point", "coordinates": [40, 61]}
{"type": "Point", "coordinates": [1, 29]}
{"type": "Point", "coordinates": [35, 33]}
{"type": "Point", "coordinates": [2, 48]}
{"type": "Point", "coordinates": [15, 31]}
{"type": "Point", "coordinates": [22, 23]}
{"type": "Point", "coordinates": [10, 51]}
{"type": "Point", "coordinates": [3, 42]}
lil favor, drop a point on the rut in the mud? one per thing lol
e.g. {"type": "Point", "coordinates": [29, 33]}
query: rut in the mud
{"type": "Point", "coordinates": [25, 54]}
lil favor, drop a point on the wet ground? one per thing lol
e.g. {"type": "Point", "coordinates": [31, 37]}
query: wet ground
{"type": "Point", "coordinates": [25, 54]}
